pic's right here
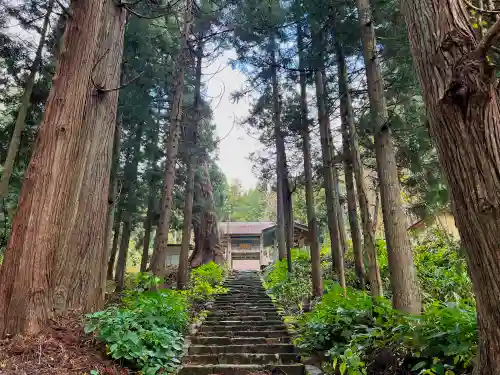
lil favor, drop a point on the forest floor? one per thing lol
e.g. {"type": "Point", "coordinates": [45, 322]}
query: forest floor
{"type": "Point", "coordinates": [60, 349]}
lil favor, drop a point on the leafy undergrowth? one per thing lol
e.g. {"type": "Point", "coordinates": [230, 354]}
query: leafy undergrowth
{"type": "Point", "coordinates": [142, 334]}
{"type": "Point", "coordinates": [145, 331]}
{"type": "Point", "coordinates": [351, 334]}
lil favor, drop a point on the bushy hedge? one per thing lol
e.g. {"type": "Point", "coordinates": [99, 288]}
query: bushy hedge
{"type": "Point", "coordinates": [146, 329]}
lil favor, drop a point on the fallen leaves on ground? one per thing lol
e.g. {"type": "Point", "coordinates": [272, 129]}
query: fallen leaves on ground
{"type": "Point", "coordinates": [61, 348]}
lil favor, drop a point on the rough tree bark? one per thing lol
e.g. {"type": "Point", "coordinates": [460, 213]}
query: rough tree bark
{"type": "Point", "coordinates": [405, 288]}
{"type": "Point", "coordinates": [280, 158]}
{"type": "Point", "coordinates": [206, 228]}
{"type": "Point", "coordinates": [287, 208]}
{"type": "Point", "coordinates": [352, 210]}
{"type": "Point", "coordinates": [129, 208]}
{"type": "Point", "coordinates": [112, 201]}
{"type": "Point", "coordinates": [340, 214]}
{"type": "Point", "coordinates": [329, 183]}
{"type": "Point", "coordinates": [349, 161]}
{"type": "Point", "coordinates": [159, 256]}
{"type": "Point", "coordinates": [348, 113]}
{"type": "Point", "coordinates": [192, 138]}
{"type": "Point", "coordinates": [114, 246]}
{"type": "Point", "coordinates": [154, 156]}
{"type": "Point", "coordinates": [316, 277]}
{"type": "Point", "coordinates": [148, 227]}
{"type": "Point", "coordinates": [24, 106]}
{"type": "Point", "coordinates": [463, 107]}
{"type": "Point", "coordinates": [58, 243]}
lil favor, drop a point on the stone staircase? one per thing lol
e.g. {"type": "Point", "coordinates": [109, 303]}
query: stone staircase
{"type": "Point", "coordinates": [242, 335]}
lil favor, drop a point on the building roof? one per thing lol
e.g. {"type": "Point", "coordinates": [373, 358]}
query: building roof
{"type": "Point", "coordinates": [236, 227]}
{"type": "Point", "coordinates": [269, 233]}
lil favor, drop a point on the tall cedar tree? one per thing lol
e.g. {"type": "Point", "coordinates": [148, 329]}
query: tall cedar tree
{"type": "Point", "coordinates": [317, 287]}
{"type": "Point", "coordinates": [159, 256]}
{"type": "Point", "coordinates": [332, 203]}
{"type": "Point", "coordinates": [57, 247]}
{"type": "Point", "coordinates": [404, 283]}
{"type": "Point", "coordinates": [280, 157]}
{"type": "Point", "coordinates": [130, 204]}
{"type": "Point", "coordinates": [347, 117]}
{"type": "Point", "coordinates": [191, 171]}
{"type": "Point", "coordinates": [460, 90]}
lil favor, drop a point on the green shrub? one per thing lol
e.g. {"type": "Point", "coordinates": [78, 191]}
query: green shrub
{"type": "Point", "coordinates": [442, 270]}
{"type": "Point", "coordinates": [206, 282]}
{"type": "Point", "coordinates": [290, 291]}
{"type": "Point", "coordinates": [146, 331]}
{"type": "Point", "coordinates": [351, 330]}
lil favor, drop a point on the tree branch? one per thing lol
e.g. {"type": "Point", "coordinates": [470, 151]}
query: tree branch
{"type": "Point", "coordinates": [489, 39]}
{"type": "Point", "coordinates": [103, 90]}
{"type": "Point", "coordinates": [492, 11]}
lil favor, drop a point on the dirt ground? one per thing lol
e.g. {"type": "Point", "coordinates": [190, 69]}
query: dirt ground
{"type": "Point", "coordinates": [61, 349]}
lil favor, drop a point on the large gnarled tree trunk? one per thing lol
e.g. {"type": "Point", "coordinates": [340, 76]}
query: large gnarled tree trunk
{"type": "Point", "coordinates": [56, 254]}
{"type": "Point", "coordinates": [206, 227]}
{"type": "Point", "coordinates": [463, 106]}
{"type": "Point", "coordinates": [405, 287]}
{"type": "Point", "coordinates": [159, 256]}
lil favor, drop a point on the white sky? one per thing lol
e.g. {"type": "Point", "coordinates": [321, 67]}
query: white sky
{"type": "Point", "coordinates": [236, 145]}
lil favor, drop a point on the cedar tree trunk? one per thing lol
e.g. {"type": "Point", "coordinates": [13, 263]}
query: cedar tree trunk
{"type": "Point", "coordinates": [57, 247]}
{"type": "Point", "coordinates": [460, 90]}
{"type": "Point", "coordinates": [172, 144]}
{"type": "Point", "coordinates": [189, 196]}
{"type": "Point", "coordinates": [405, 287]}
{"type": "Point", "coordinates": [317, 282]}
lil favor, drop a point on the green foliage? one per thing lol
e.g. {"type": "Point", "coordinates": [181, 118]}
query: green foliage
{"type": "Point", "coordinates": [290, 290]}
{"type": "Point", "coordinates": [353, 330]}
{"type": "Point", "coordinates": [206, 282]}
{"type": "Point", "coordinates": [442, 270]}
{"type": "Point", "coordinates": [146, 330]}
{"type": "Point", "coordinates": [140, 282]}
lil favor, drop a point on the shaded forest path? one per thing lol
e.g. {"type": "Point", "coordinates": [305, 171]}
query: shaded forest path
{"type": "Point", "coordinates": [242, 335]}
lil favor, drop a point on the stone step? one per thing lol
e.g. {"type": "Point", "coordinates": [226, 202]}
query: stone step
{"type": "Point", "coordinates": [243, 318]}
{"type": "Point", "coordinates": [258, 348]}
{"type": "Point", "coordinates": [234, 322]}
{"type": "Point", "coordinates": [253, 312]}
{"type": "Point", "coordinates": [221, 340]}
{"type": "Point", "coordinates": [260, 303]}
{"type": "Point", "coordinates": [243, 301]}
{"type": "Point", "coordinates": [234, 330]}
{"type": "Point", "coordinates": [236, 296]}
{"type": "Point", "coordinates": [243, 294]}
{"type": "Point", "coordinates": [229, 311]}
{"type": "Point", "coordinates": [242, 335]}
{"type": "Point", "coordinates": [242, 358]}
{"type": "Point", "coordinates": [249, 310]}
{"type": "Point", "coordinates": [269, 333]}
{"type": "Point", "coordinates": [231, 369]}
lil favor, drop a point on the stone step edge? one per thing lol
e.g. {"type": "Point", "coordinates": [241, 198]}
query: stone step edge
{"type": "Point", "coordinates": [309, 369]}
